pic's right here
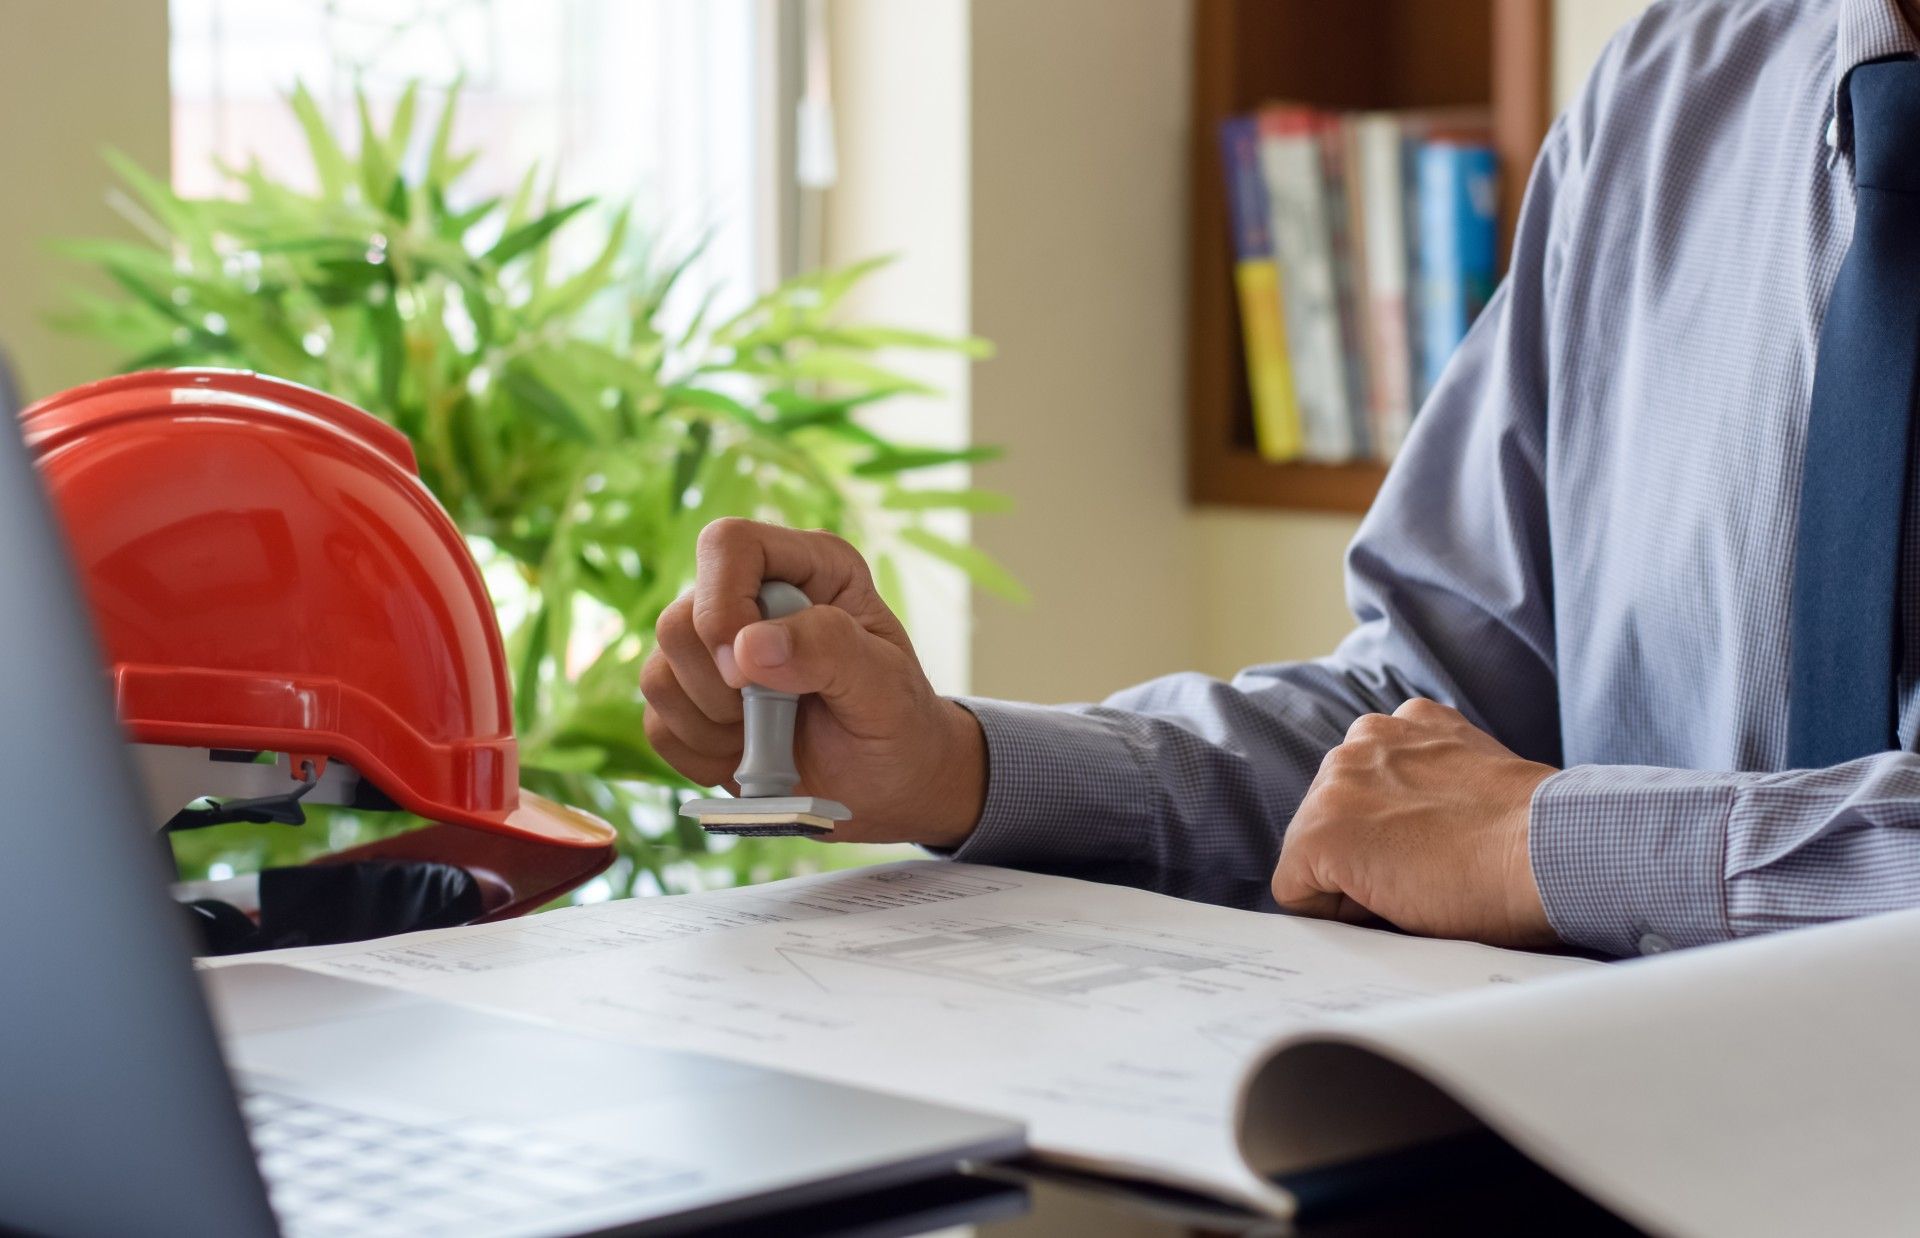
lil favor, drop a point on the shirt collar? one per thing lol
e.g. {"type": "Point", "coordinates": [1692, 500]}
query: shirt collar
{"type": "Point", "coordinates": [1869, 30]}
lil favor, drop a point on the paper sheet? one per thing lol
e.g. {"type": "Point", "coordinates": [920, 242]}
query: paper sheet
{"type": "Point", "coordinates": [1768, 1086]}
{"type": "Point", "coordinates": [1117, 1023]}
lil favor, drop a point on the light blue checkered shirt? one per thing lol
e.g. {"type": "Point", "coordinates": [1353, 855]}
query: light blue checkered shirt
{"type": "Point", "coordinates": [1587, 545]}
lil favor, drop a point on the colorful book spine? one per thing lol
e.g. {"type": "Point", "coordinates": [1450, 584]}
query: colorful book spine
{"type": "Point", "coordinates": [1417, 128]}
{"type": "Point", "coordinates": [1344, 238]}
{"type": "Point", "coordinates": [1292, 162]}
{"type": "Point", "coordinates": [1379, 187]}
{"type": "Point", "coordinates": [1458, 245]}
{"type": "Point", "coordinates": [1256, 277]}
{"type": "Point", "coordinates": [1410, 143]}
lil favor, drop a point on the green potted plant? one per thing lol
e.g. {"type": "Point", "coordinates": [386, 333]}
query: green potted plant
{"type": "Point", "coordinates": [578, 442]}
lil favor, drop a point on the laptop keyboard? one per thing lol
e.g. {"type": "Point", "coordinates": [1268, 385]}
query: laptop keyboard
{"type": "Point", "coordinates": [332, 1171]}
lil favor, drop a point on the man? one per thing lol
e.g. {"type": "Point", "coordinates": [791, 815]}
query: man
{"type": "Point", "coordinates": [1631, 669]}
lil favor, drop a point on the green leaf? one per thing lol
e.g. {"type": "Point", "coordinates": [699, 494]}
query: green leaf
{"type": "Point", "coordinates": [618, 729]}
{"type": "Point", "coordinates": [168, 357]}
{"type": "Point", "coordinates": [981, 568]}
{"type": "Point", "coordinates": [476, 292]}
{"type": "Point", "coordinates": [391, 355]}
{"type": "Point", "coordinates": [330, 166]}
{"type": "Point", "coordinates": [440, 167]}
{"type": "Point", "coordinates": [342, 247]}
{"type": "Point", "coordinates": [893, 460]}
{"type": "Point", "coordinates": [399, 204]}
{"type": "Point", "coordinates": [895, 337]}
{"type": "Point", "coordinates": [833, 284]}
{"type": "Point", "coordinates": [835, 365]}
{"type": "Point", "coordinates": [522, 203]}
{"type": "Point", "coordinates": [661, 285]}
{"type": "Point", "coordinates": [698, 322]}
{"type": "Point", "coordinates": [459, 224]}
{"type": "Point", "coordinates": [460, 165]}
{"type": "Point", "coordinates": [793, 406]}
{"type": "Point", "coordinates": [153, 298]}
{"type": "Point", "coordinates": [581, 759]}
{"type": "Point", "coordinates": [814, 294]}
{"type": "Point", "coordinates": [683, 396]}
{"type": "Point", "coordinates": [602, 365]}
{"type": "Point", "coordinates": [376, 170]}
{"type": "Point", "coordinates": [692, 455]}
{"type": "Point", "coordinates": [342, 281]}
{"type": "Point", "coordinates": [157, 196]}
{"type": "Point", "coordinates": [532, 639]}
{"type": "Point", "coordinates": [579, 289]}
{"type": "Point", "coordinates": [537, 397]}
{"type": "Point", "coordinates": [143, 260]}
{"type": "Point", "coordinates": [401, 130]}
{"type": "Point", "coordinates": [527, 236]}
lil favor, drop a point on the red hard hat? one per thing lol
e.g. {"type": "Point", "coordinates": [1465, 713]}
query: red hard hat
{"type": "Point", "coordinates": [268, 573]}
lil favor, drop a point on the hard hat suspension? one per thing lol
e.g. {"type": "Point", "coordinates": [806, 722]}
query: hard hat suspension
{"type": "Point", "coordinates": [283, 808]}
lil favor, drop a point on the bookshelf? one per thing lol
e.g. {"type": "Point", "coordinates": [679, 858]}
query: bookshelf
{"type": "Point", "coordinates": [1344, 54]}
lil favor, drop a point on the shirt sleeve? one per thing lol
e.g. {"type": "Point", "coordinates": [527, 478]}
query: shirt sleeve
{"type": "Point", "coordinates": [1638, 860]}
{"type": "Point", "coordinates": [1185, 784]}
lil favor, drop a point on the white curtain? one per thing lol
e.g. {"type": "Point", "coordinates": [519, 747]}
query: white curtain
{"type": "Point", "coordinates": [659, 101]}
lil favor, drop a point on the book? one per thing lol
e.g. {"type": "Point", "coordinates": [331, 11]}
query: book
{"type": "Point", "coordinates": [1293, 163]}
{"type": "Point", "coordinates": [1345, 241]}
{"type": "Point", "coordinates": [1458, 244]}
{"type": "Point", "coordinates": [1416, 129]}
{"type": "Point", "coordinates": [1763, 1087]}
{"type": "Point", "coordinates": [1379, 249]}
{"type": "Point", "coordinates": [1256, 279]}
{"type": "Point", "coordinates": [1378, 191]}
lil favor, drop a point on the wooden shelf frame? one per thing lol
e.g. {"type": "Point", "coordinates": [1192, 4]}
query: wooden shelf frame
{"type": "Point", "coordinates": [1349, 54]}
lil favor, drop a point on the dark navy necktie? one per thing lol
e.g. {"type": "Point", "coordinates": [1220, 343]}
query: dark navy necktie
{"type": "Point", "coordinates": [1841, 701]}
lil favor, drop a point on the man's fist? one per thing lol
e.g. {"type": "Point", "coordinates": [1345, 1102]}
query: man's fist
{"type": "Point", "coordinates": [871, 732]}
{"type": "Point", "coordinates": [1419, 819]}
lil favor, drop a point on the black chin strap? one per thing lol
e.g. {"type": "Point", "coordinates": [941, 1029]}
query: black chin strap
{"type": "Point", "coordinates": [283, 809]}
{"type": "Point", "coordinates": [324, 904]}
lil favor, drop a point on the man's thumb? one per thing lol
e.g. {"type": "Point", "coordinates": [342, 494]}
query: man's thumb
{"type": "Point", "coordinates": [821, 649]}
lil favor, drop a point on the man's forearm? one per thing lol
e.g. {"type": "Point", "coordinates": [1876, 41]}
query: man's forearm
{"type": "Point", "coordinates": [1183, 785]}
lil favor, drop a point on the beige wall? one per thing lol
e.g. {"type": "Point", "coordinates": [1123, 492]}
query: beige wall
{"type": "Point", "coordinates": [1078, 200]}
{"type": "Point", "coordinates": [75, 76]}
{"type": "Point", "coordinates": [1271, 586]}
{"type": "Point", "coordinates": [901, 124]}
{"type": "Point", "coordinates": [1580, 29]}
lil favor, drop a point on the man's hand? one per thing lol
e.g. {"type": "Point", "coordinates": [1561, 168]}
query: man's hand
{"type": "Point", "coordinates": [1419, 819]}
{"type": "Point", "coordinates": [871, 733]}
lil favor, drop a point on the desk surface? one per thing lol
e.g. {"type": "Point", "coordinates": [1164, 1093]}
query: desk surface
{"type": "Point", "coordinates": [1523, 1201]}
{"type": "Point", "coordinates": [1493, 1192]}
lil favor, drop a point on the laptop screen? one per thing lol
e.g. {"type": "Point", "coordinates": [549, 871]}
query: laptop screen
{"type": "Point", "coordinates": [118, 1115]}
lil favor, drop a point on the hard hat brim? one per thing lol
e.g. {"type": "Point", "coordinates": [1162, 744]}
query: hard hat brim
{"type": "Point", "coordinates": [542, 820]}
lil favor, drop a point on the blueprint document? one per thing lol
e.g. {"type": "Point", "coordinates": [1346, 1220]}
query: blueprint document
{"type": "Point", "coordinates": [1118, 1024]}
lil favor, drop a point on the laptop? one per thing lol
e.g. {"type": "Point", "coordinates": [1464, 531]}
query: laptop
{"type": "Point", "coordinates": [337, 1107]}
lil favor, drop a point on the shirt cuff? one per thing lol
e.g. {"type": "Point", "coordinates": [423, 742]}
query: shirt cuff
{"type": "Point", "coordinates": [1632, 859]}
{"type": "Point", "coordinates": [1065, 791]}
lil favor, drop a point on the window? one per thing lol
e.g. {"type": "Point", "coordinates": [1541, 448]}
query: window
{"type": "Point", "coordinates": [664, 102]}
